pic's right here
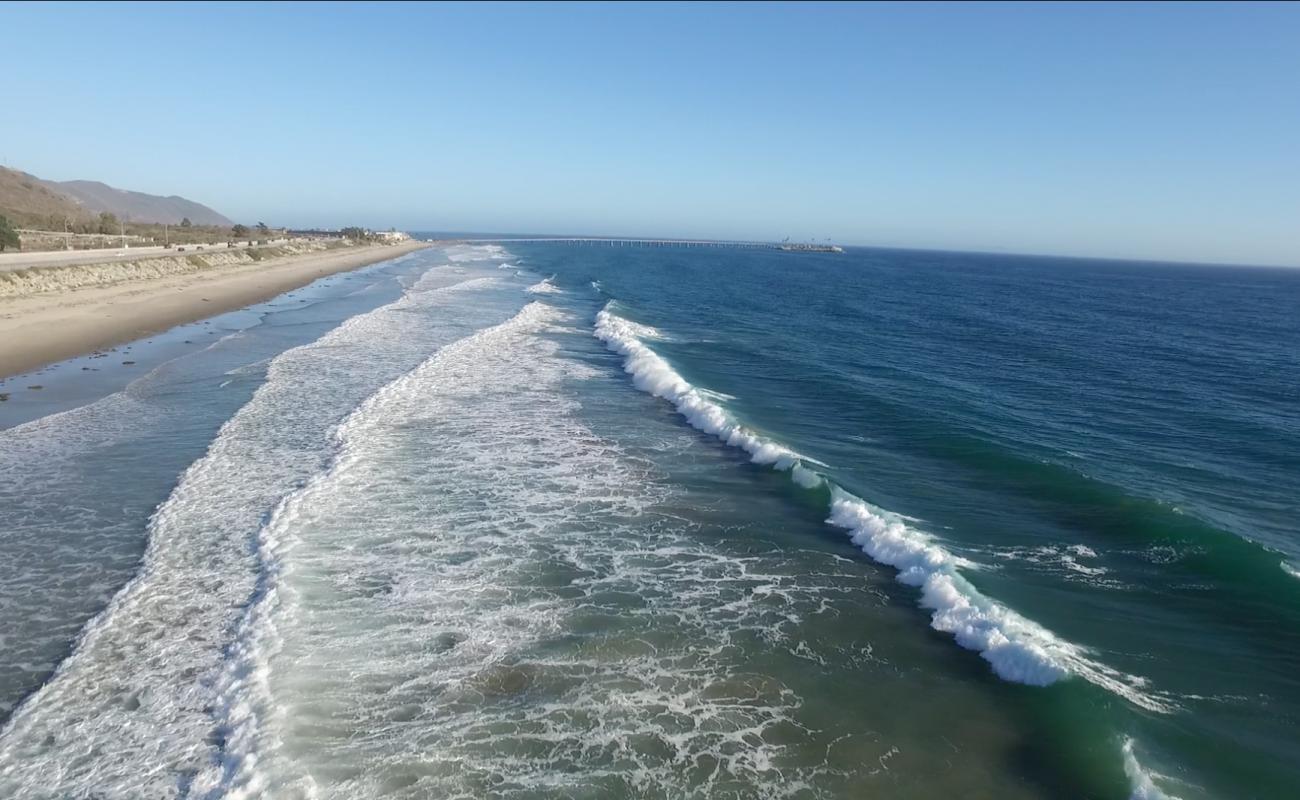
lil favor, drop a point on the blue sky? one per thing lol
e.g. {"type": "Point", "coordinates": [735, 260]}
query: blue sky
{"type": "Point", "coordinates": [1147, 131]}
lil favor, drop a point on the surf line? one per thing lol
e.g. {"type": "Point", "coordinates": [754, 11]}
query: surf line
{"type": "Point", "coordinates": [1018, 649]}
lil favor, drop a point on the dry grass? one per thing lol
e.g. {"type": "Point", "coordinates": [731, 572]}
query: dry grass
{"type": "Point", "coordinates": [26, 202]}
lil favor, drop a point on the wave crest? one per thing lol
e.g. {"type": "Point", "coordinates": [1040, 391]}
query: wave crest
{"type": "Point", "coordinates": [544, 287]}
{"type": "Point", "coordinates": [1141, 779]}
{"type": "Point", "coordinates": [1017, 648]}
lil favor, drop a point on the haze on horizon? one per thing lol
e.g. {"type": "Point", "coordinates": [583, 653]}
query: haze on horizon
{"type": "Point", "coordinates": [1165, 132]}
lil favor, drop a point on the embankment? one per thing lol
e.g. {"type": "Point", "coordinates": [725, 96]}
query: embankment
{"type": "Point", "coordinates": [54, 313]}
{"type": "Point", "coordinates": [38, 280]}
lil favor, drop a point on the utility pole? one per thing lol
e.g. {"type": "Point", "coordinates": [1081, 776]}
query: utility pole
{"type": "Point", "coordinates": [121, 227]}
{"type": "Point", "coordinates": [67, 237]}
{"type": "Point", "coordinates": [166, 242]}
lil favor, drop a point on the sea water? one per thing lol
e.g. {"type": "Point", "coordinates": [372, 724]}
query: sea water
{"type": "Point", "coordinates": [541, 520]}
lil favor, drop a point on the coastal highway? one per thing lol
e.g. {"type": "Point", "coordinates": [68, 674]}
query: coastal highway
{"type": "Point", "coordinates": [10, 261]}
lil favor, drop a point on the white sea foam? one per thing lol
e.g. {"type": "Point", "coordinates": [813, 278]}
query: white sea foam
{"type": "Point", "coordinates": [652, 374]}
{"type": "Point", "coordinates": [712, 395]}
{"type": "Point", "coordinates": [245, 706]}
{"type": "Point", "coordinates": [137, 692]}
{"type": "Point", "coordinates": [544, 287]}
{"type": "Point", "coordinates": [468, 252]}
{"type": "Point", "coordinates": [1062, 560]}
{"type": "Point", "coordinates": [504, 619]}
{"type": "Point", "coordinates": [61, 568]}
{"type": "Point", "coordinates": [1141, 780]}
{"type": "Point", "coordinates": [1018, 649]}
{"type": "Point", "coordinates": [1290, 569]}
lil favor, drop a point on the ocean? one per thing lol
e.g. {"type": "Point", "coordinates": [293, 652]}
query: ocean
{"type": "Point", "coordinates": [541, 520]}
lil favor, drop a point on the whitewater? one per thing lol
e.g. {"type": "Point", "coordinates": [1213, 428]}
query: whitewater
{"type": "Point", "coordinates": [149, 722]}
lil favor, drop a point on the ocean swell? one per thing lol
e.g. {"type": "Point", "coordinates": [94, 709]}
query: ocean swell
{"type": "Point", "coordinates": [1017, 648]}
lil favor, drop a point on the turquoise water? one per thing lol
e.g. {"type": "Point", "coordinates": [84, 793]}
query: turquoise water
{"type": "Point", "coordinates": [560, 521]}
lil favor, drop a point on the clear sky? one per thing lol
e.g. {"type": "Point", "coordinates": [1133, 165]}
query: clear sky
{"type": "Point", "coordinates": [1149, 131]}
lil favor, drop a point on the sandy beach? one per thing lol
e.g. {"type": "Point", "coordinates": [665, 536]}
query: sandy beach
{"type": "Point", "coordinates": [45, 327]}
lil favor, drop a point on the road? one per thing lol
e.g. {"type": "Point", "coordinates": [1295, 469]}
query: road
{"type": "Point", "coordinates": [10, 261]}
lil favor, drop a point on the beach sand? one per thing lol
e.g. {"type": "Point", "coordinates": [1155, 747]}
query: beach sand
{"type": "Point", "coordinates": [43, 328]}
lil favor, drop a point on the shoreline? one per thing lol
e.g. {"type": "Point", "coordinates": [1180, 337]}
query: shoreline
{"type": "Point", "coordinates": [42, 329]}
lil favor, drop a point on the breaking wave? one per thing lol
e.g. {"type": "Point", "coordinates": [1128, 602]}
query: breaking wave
{"type": "Point", "coordinates": [1141, 780]}
{"type": "Point", "coordinates": [244, 706]}
{"type": "Point", "coordinates": [1017, 648]}
{"type": "Point", "coordinates": [149, 726]}
{"type": "Point", "coordinates": [544, 287]}
{"type": "Point", "coordinates": [419, 631]}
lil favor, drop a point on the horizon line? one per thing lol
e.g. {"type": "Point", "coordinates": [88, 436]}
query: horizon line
{"type": "Point", "coordinates": [499, 236]}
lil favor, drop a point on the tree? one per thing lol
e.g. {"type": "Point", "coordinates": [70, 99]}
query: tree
{"type": "Point", "coordinates": [354, 233]}
{"type": "Point", "coordinates": [8, 236]}
{"type": "Point", "coordinates": [107, 222]}
{"type": "Point", "coordinates": [239, 231]}
{"type": "Point", "coordinates": [185, 223]}
{"type": "Point", "coordinates": [261, 227]}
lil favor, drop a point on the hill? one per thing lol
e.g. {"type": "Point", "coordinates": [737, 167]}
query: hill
{"type": "Point", "coordinates": [96, 197]}
{"type": "Point", "coordinates": [29, 202]}
{"type": "Point", "coordinates": [32, 202]}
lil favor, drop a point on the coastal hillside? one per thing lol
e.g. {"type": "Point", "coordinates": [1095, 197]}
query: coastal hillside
{"type": "Point", "coordinates": [29, 202]}
{"type": "Point", "coordinates": [32, 202]}
{"type": "Point", "coordinates": [98, 197]}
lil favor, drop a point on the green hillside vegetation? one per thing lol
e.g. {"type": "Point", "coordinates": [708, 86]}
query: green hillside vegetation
{"type": "Point", "coordinates": [8, 236]}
